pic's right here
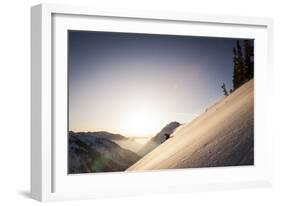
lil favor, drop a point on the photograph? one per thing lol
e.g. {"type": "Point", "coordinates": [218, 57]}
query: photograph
{"type": "Point", "coordinates": [145, 102]}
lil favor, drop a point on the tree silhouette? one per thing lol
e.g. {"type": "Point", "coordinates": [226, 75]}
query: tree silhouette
{"type": "Point", "coordinates": [235, 79]}
{"type": "Point", "coordinates": [243, 63]}
{"type": "Point", "coordinates": [225, 92]}
{"type": "Point", "coordinates": [249, 59]}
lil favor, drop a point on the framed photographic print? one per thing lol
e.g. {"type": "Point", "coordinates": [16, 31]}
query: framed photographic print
{"type": "Point", "coordinates": [134, 102]}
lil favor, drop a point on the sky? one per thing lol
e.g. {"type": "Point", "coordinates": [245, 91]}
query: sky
{"type": "Point", "coordinates": [135, 84]}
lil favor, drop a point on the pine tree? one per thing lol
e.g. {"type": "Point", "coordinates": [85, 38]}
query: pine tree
{"type": "Point", "coordinates": [249, 59]}
{"type": "Point", "coordinates": [235, 77]}
{"type": "Point", "coordinates": [239, 71]}
{"type": "Point", "coordinates": [241, 65]}
{"type": "Point", "coordinates": [225, 92]}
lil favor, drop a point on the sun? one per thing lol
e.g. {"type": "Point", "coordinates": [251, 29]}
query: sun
{"type": "Point", "coordinates": [142, 122]}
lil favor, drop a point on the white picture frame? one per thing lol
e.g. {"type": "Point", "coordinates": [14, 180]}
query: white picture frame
{"type": "Point", "coordinates": [49, 179]}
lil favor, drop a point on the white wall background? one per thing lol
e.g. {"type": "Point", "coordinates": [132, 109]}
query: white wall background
{"type": "Point", "coordinates": [15, 103]}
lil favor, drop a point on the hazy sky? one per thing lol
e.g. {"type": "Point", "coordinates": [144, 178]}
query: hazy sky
{"type": "Point", "coordinates": [135, 84]}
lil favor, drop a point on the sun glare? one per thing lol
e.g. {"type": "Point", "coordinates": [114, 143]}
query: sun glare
{"type": "Point", "coordinates": [142, 123]}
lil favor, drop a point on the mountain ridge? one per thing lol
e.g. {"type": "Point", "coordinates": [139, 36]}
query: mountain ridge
{"type": "Point", "coordinates": [88, 154]}
{"type": "Point", "coordinates": [159, 138]}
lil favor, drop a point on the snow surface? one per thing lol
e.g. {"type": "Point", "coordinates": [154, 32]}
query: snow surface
{"type": "Point", "coordinates": [158, 138]}
{"type": "Point", "coordinates": [221, 136]}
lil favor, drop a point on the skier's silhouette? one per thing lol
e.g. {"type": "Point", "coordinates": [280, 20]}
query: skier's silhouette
{"type": "Point", "coordinates": [167, 136]}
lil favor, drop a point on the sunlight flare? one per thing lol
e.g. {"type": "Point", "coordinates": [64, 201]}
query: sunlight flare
{"type": "Point", "coordinates": [142, 122]}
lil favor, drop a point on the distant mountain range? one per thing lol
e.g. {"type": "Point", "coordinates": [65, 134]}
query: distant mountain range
{"type": "Point", "coordinates": [97, 152]}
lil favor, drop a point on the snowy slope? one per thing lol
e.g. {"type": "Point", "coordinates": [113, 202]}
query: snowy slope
{"type": "Point", "coordinates": [222, 136]}
{"type": "Point", "coordinates": [158, 139]}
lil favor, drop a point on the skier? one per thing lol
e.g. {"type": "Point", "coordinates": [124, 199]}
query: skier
{"type": "Point", "coordinates": [167, 136]}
